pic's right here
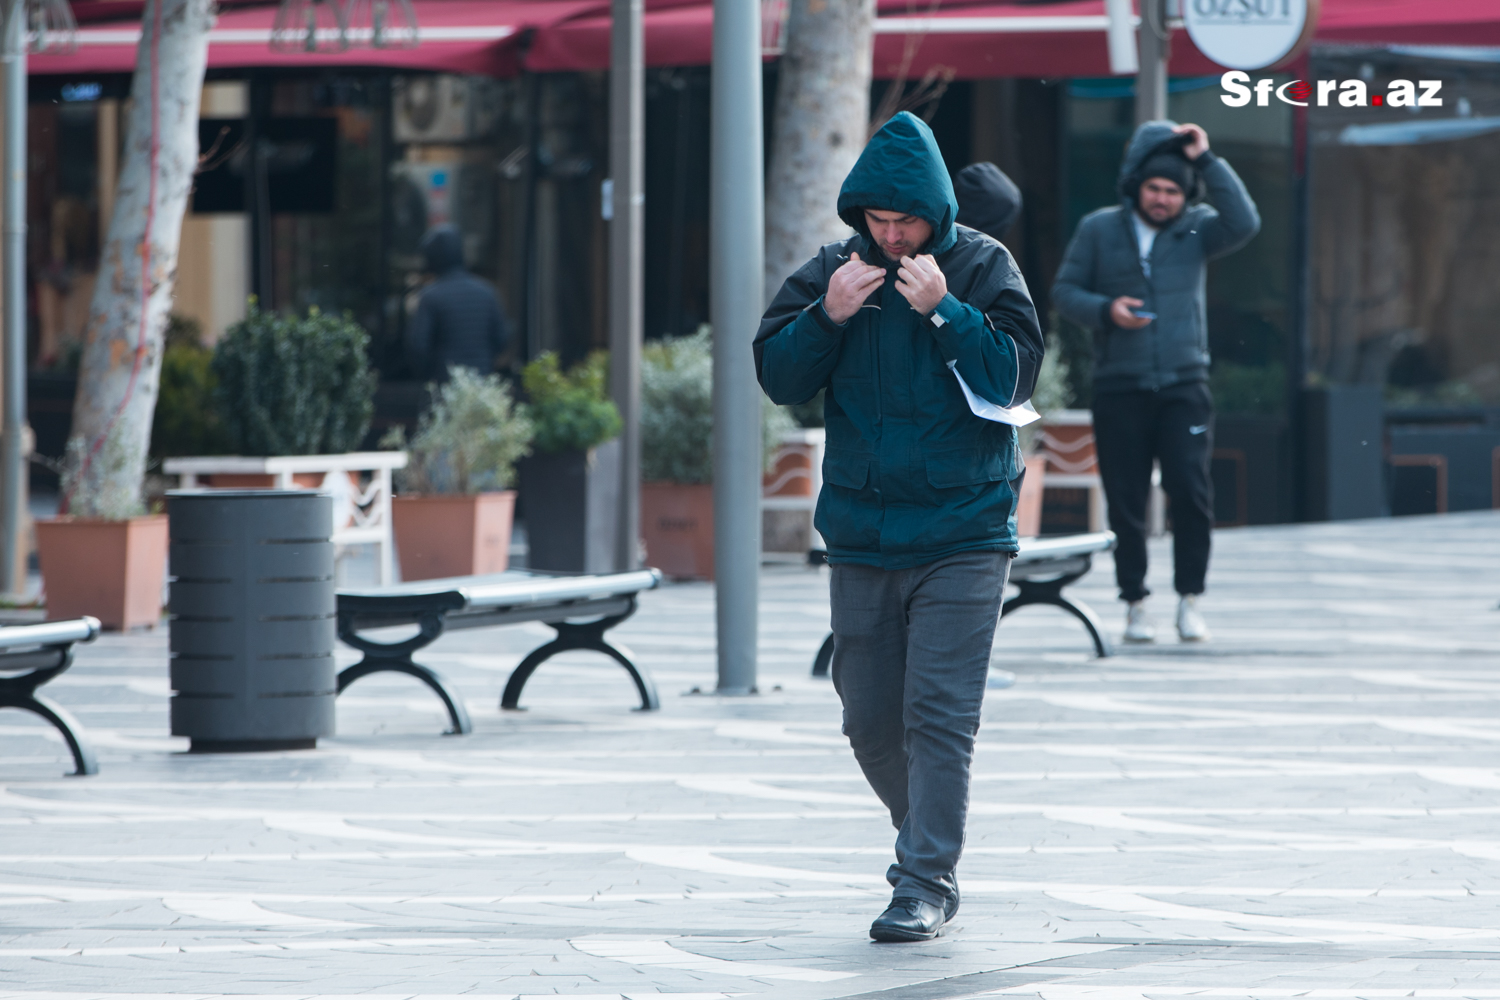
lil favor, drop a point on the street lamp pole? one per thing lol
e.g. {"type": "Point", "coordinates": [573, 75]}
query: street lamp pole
{"type": "Point", "coordinates": [627, 265]}
{"type": "Point", "coordinates": [736, 255]}
{"type": "Point", "coordinates": [1156, 48]}
{"type": "Point", "coordinates": [13, 290]}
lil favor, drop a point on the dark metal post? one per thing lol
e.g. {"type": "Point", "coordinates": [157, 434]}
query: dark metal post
{"type": "Point", "coordinates": [1156, 48]}
{"type": "Point", "coordinates": [627, 265]}
{"type": "Point", "coordinates": [736, 255]}
{"type": "Point", "coordinates": [13, 261]}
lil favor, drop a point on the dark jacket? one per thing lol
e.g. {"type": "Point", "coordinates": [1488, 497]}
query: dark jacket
{"type": "Point", "coordinates": [459, 320]}
{"type": "Point", "coordinates": [1103, 262]}
{"type": "Point", "coordinates": [910, 474]}
{"type": "Point", "coordinates": [988, 200]}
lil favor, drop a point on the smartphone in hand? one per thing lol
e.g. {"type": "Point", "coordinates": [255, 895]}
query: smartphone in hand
{"type": "Point", "coordinates": [1143, 314]}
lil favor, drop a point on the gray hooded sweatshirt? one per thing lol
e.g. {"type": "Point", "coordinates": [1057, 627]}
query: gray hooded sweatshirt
{"type": "Point", "coordinates": [1103, 262]}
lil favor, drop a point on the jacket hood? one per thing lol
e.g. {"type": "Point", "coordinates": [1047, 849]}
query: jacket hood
{"type": "Point", "coordinates": [988, 200]}
{"type": "Point", "coordinates": [442, 250]}
{"type": "Point", "coordinates": [901, 170]}
{"type": "Point", "coordinates": [1151, 138]}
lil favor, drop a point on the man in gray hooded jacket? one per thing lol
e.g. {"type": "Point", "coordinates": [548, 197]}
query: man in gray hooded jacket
{"type": "Point", "coordinates": [1135, 275]}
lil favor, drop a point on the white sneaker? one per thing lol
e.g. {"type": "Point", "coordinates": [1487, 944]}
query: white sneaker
{"type": "Point", "coordinates": [1190, 626]}
{"type": "Point", "coordinates": [1138, 627]}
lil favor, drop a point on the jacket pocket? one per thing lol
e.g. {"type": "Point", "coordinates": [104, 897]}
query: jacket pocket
{"type": "Point", "coordinates": [848, 469]}
{"type": "Point", "coordinates": [970, 466]}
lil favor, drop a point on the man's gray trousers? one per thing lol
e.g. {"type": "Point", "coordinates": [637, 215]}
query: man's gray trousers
{"type": "Point", "coordinates": [911, 659]}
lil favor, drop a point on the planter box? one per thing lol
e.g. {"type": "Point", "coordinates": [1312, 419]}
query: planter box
{"type": "Point", "coordinates": [361, 514]}
{"type": "Point", "coordinates": [1029, 504]}
{"type": "Point", "coordinates": [789, 494]}
{"type": "Point", "coordinates": [571, 500]}
{"type": "Point", "coordinates": [112, 570]}
{"type": "Point", "coordinates": [453, 535]}
{"type": "Point", "coordinates": [1067, 438]}
{"type": "Point", "coordinates": [677, 525]}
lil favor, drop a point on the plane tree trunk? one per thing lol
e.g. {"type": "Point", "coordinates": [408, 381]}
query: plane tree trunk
{"type": "Point", "coordinates": [822, 119]}
{"type": "Point", "coordinates": [117, 378]}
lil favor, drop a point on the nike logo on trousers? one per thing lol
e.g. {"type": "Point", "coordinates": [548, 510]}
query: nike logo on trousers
{"type": "Point", "coordinates": [1198, 429]}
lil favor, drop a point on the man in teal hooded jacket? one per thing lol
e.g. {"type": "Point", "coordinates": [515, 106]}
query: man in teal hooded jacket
{"type": "Point", "coordinates": [919, 495]}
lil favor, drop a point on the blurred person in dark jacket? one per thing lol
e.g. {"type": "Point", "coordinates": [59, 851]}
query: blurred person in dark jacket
{"type": "Point", "coordinates": [1135, 274]}
{"type": "Point", "coordinates": [988, 200]}
{"type": "Point", "coordinates": [459, 320]}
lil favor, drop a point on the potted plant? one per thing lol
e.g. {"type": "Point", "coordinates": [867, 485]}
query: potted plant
{"type": "Point", "coordinates": [453, 511]}
{"type": "Point", "coordinates": [1050, 398]}
{"type": "Point", "coordinates": [108, 556]}
{"type": "Point", "coordinates": [291, 386]}
{"type": "Point", "coordinates": [677, 423]}
{"type": "Point", "coordinates": [570, 484]}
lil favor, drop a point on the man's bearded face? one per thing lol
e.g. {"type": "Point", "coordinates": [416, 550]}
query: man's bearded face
{"type": "Point", "coordinates": [1160, 200]}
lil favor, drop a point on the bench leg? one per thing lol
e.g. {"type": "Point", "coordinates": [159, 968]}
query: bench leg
{"type": "Point", "coordinates": [824, 660]}
{"type": "Point", "coordinates": [63, 721]}
{"type": "Point", "coordinates": [1051, 593]}
{"type": "Point", "coordinates": [396, 657]}
{"type": "Point", "coordinates": [587, 635]}
{"type": "Point", "coordinates": [452, 700]}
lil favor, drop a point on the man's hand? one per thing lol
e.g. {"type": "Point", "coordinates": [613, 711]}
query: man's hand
{"type": "Point", "coordinates": [1120, 314]}
{"type": "Point", "coordinates": [1197, 141]}
{"type": "Point", "coordinates": [850, 285]}
{"type": "Point", "coordinates": [921, 282]}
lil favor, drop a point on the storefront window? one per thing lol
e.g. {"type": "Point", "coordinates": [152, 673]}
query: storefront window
{"type": "Point", "coordinates": [1405, 202]}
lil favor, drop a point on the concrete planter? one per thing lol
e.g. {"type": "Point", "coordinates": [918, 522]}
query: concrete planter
{"type": "Point", "coordinates": [677, 525]}
{"type": "Point", "coordinates": [438, 536]}
{"type": "Point", "coordinates": [112, 570]}
{"type": "Point", "coordinates": [571, 501]}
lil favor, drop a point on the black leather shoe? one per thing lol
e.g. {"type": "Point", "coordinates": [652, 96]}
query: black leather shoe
{"type": "Point", "coordinates": [950, 905]}
{"type": "Point", "coordinates": [908, 919]}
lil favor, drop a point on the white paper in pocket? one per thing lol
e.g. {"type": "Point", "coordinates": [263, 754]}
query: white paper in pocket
{"type": "Point", "coordinates": [1016, 416]}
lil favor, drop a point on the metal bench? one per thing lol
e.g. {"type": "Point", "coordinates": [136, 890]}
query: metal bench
{"type": "Point", "coordinates": [44, 651]}
{"type": "Point", "coordinates": [508, 598]}
{"type": "Point", "coordinates": [1041, 570]}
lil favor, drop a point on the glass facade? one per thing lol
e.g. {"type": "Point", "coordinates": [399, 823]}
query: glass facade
{"type": "Point", "coordinates": [1405, 205]}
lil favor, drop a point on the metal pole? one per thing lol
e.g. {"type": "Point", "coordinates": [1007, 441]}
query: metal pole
{"type": "Point", "coordinates": [1156, 48]}
{"type": "Point", "coordinates": [736, 255]}
{"type": "Point", "coordinates": [13, 266]}
{"type": "Point", "coordinates": [627, 265]}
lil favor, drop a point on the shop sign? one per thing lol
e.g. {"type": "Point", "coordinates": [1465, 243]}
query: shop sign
{"type": "Point", "coordinates": [1249, 34]}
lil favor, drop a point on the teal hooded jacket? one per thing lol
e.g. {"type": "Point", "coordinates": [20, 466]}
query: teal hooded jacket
{"type": "Point", "coordinates": [910, 474]}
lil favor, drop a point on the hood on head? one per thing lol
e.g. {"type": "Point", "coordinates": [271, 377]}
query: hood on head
{"type": "Point", "coordinates": [1150, 139]}
{"type": "Point", "coordinates": [901, 170]}
{"type": "Point", "coordinates": [442, 249]}
{"type": "Point", "coordinates": [988, 200]}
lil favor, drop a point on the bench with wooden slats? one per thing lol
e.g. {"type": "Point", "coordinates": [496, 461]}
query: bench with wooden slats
{"type": "Point", "coordinates": [41, 652]}
{"type": "Point", "coordinates": [508, 598]}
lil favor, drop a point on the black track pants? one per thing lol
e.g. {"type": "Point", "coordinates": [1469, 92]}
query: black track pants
{"type": "Point", "coordinates": [1175, 426]}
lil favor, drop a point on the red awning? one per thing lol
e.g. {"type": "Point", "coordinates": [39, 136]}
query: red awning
{"type": "Point", "coordinates": [1410, 22]}
{"type": "Point", "coordinates": [973, 38]}
{"type": "Point", "coordinates": [1008, 38]}
{"type": "Point", "coordinates": [457, 36]}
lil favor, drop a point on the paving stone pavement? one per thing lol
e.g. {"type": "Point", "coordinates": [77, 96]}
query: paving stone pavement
{"type": "Point", "coordinates": [1304, 806]}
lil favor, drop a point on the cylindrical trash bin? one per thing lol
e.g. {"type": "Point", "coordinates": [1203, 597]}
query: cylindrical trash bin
{"type": "Point", "coordinates": [252, 612]}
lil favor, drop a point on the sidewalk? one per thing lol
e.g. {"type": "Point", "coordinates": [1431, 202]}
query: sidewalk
{"type": "Point", "coordinates": [1307, 803]}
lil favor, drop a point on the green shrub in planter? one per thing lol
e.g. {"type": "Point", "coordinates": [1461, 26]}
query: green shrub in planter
{"type": "Point", "coordinates": [290, 386]}
{"type": "Point", "coordinates": [468, 441]}
{"type": "Point", "coordinates": [186, 422]}
{"type": "Point", "coordinates": [571, 410]}
{"type": "Point", "coordinates": [677, 411]}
